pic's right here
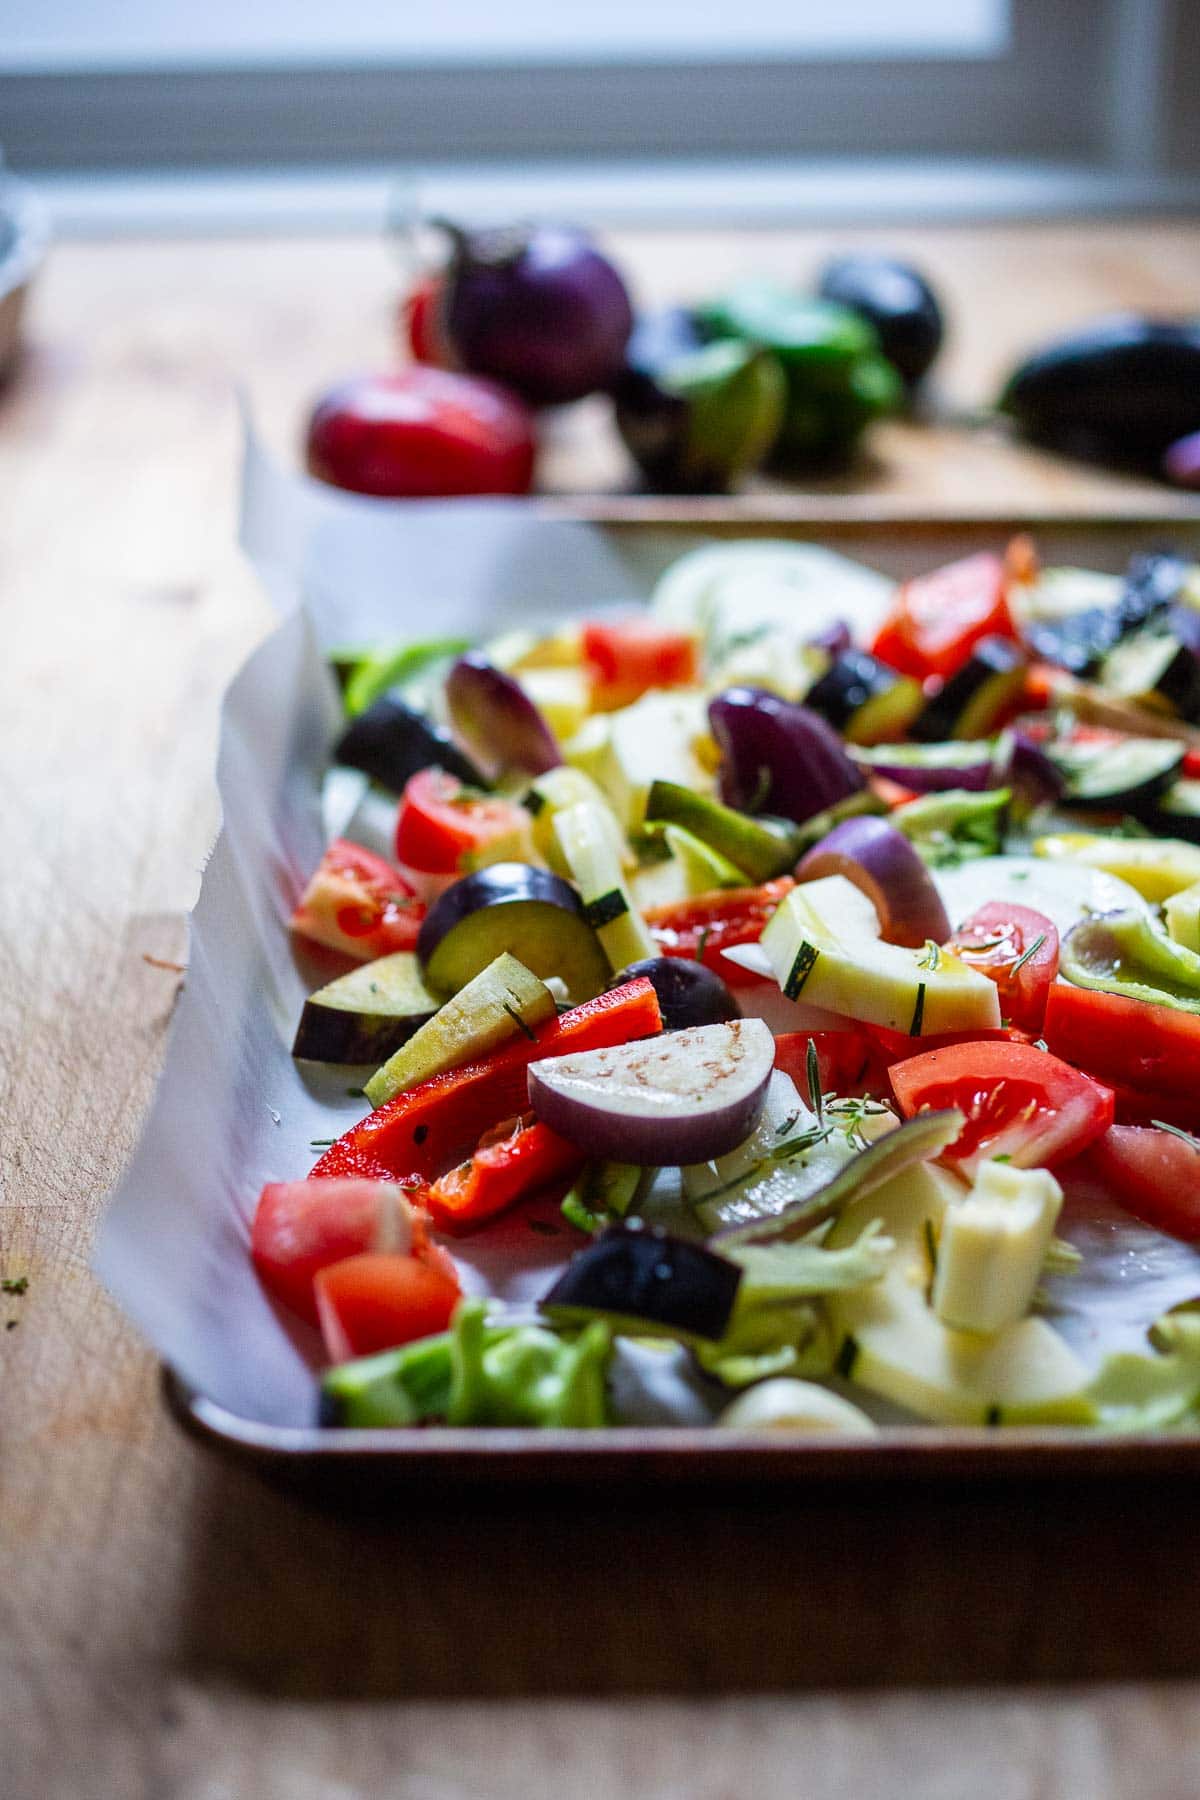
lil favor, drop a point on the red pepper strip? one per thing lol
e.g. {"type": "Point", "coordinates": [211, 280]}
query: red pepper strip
{"type": "Point", "coordinates": [438, 1123]}
{"type": "Point", "coordinates": [529, 1159]}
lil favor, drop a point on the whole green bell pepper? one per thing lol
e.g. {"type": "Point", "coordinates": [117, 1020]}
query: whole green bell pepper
{"type": "Point", "coordinates": [838, 379]}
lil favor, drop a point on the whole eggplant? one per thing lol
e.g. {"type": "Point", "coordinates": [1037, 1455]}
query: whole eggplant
{"type": "Point", "coordinates": [897, 300]}
{"type": "Point", "coordinates": [695, 415]}
{"type": "Point", "coordinates": [1122, 390]}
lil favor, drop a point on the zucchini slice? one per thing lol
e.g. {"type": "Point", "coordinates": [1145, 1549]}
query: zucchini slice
{"type": "Point", "coordinates": [1120, 776]}
{"type": "Point", "coordinates": [865, 700]}
{"type": "Point", "coordinates": [585, 842]}
{"type": "Point", "coordinates": [365, 1015]}
{"type": "Point", "coordinates": [501, 1001]}
{"type": "Point", "coordinates": [974, 701]}
{"type": "Point", "coordinates": [1157, 670]}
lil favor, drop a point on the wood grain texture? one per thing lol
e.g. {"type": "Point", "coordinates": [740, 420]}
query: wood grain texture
{"type": "Point", "coordinates": [170, 1627]}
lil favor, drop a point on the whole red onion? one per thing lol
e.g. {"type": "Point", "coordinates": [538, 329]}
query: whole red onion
{"type": "Point", "coordinates": [536, 307]}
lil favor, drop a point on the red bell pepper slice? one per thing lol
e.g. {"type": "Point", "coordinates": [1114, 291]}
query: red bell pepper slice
{"type": "Point", "coordinates": [937, 619]}
{"type": "Point", "coordinates": [438, 1123]}
{"type": "Point", "coordinates": [523, 1162]}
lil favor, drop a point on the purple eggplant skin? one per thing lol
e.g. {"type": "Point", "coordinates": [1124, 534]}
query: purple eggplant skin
{"type": "Point", "coordinates": [538, 308]}
{"type": "Point", "coordinates": [1122, 390]}
{"type": "Point", "coordinates": [778, 757]}
{"type": "Point", "coordinates": [689, 993]}
{"type": "Point", "coordinates": [391, 742]}
{"type": "Point", "coordinates": [1181, 461]}
{"type": "Point", "coordinates": [636, 1271]}
{"type": "Point", "coordinates": [898, 301]}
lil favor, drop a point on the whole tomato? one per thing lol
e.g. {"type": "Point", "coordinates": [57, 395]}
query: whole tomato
{"type": "Point", "coordinates": [422, 433]}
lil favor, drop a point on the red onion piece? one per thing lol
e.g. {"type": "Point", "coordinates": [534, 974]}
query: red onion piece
{"type": "Point", "coordinates": [975, 774]}
{"type": "Point", "coordinates": [496, 719]}
{"type": "Point", "coordinates": [777, 757]}
{"type": "Point", "coordinates": [1022, 765]}
{"type": "Point", "coordinates": [880, 861]}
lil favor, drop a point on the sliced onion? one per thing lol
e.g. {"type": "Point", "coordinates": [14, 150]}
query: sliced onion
{"type": "Point", "coordinates": [1022, 765]}
{"type": "Point", "coordinates": [880, 861]}
{"type": "Point", "coordinates": [835, 638]}
{"type": "Point", "coordinates": [496, 719]}
{"type": "Point", "coordinates": [684, 1097]}
{"type": "Point", "coordinates": [935, 770]}
{"type": "Point", "coordinates": [777, 757]}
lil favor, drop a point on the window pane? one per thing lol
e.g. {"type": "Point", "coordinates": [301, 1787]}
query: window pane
{"type": "Point", "coordinates": [65, 34]}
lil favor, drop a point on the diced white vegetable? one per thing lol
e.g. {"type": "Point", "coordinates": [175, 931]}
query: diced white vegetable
{"type": "Point", "coordinates": [993, 1245]}
{"type": "Point", "coordinates": [893, 1343]}
{"type": "Point", "coordinates": [683, 1097]}
{"type": "Point", "coordinates": [585, 844]}
{"type": "Point", "coordinates": [788, 1405]}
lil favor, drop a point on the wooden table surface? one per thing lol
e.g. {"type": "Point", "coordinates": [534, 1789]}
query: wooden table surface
{"type": "Point", "coordinates": [170, 1627]}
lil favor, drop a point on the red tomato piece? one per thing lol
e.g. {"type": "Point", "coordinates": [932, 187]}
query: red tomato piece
{"type": "Point", "coordinates": [421, 323]}
{"type": "Point", "coordinates": [1154, 1174]}
{"type": "Point", "coordinates": [1019, 1102]}
{"type": "Point", "coordinates": [1191, 764]}
{"type": "Point", "coordinates": [375, 1302]}
{"type": "Point", "coordinates": [625, 658]}
{"type": "Point", "coordinates": [422, 433]}
{"type": "Point", "coordinates": [936, 620]}
{"type": "Point", "coordinates": [707, 924]}
{"type": "Point", "coordinates": [301, 1227]}
{"type": "Point", "coordinates": [358, 904]}
{"type": "Point", "coordinates": [844, 1059]}
{"type": "Point", "coordinates": [1016, 948]}
{"type": "Point", "coordinates": [1134, 1047]}
{"type": "Point", "coordinates": [440, 821]}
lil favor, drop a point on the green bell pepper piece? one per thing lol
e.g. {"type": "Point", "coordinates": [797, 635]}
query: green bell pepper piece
{"type": "Point", "coordinates": [1126, 953]}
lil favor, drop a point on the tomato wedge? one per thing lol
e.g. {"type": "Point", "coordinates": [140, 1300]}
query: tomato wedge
{"type": "Point", "coordinates": [1136, 1048]}
{"type": "Point", "coordinates": [301, 1227]}
{"type": "Point", "coordinates": [1020, 1102]}
{"type": "Point", "coordinates": [374, 1302]}
{"type": "Point", "coordinates": [358, 904]}
{"type": "Point", "coordinates": [1016, 948]}
{"type": "Point", "coordinates": [625, 658]}
{"type": "Point", "coordinates": [844, 1059]}
{"type": "Point", "coordinates": [709, 923]}
{"type": "Point", "coordinates": [937, 620]}
{"type": "Point", "coordinates": [1154, 1174]}
{"type": "Point", "coordinates": [440, 821]}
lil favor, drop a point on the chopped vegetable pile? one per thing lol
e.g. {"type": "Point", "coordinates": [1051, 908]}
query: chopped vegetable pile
{"type": "Point", "coordinates": [793, 953]}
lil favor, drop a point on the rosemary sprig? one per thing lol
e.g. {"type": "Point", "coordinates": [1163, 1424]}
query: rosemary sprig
{"type": "Point", "coordinates": [813, 1071]}
{"type": "Point", "coordinates": [931, 957]}
{"type": "Point", "coordinates": [1177, 1131]}
{"type": "Point", "coordinates": [519, 1022]}
{"type": "Point", "coordinates": [1025, 955]}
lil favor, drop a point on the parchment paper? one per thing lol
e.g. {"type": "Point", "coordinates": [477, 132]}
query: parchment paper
{"type": "Point", "coordinates": [232, 1109]}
